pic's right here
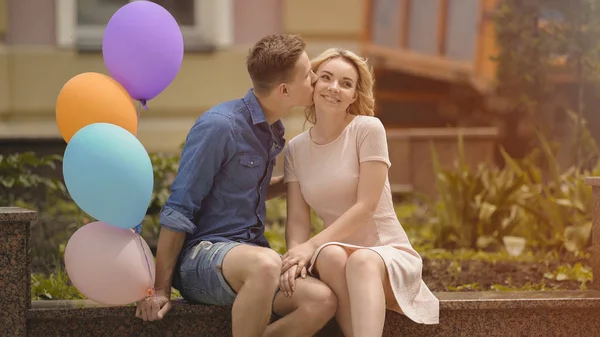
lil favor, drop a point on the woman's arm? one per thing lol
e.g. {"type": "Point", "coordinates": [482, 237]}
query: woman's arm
{"type": "Point", "coordinates": [297, 231]}
{"type": "Point", "coordinates": [370, 187]}
{"type": "Point", "coordinates": [297, 228]}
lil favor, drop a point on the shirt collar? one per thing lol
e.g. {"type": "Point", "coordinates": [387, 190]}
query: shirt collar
{"type": "Point", "coordinates": [258, 116]}
{"type": "Point", "coordinates": [256, 112]}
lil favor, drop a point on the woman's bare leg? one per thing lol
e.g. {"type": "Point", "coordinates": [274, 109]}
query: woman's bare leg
{"type": "Point", "coordinates": [366, 276]}
{"type": "Point", "coordinates": [331, 266]}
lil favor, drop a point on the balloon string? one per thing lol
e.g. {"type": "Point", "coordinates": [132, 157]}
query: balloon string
{"type": "Point", "coordinates": [151, 290]}
{"type": "Point", "coordinates": [137, 109]}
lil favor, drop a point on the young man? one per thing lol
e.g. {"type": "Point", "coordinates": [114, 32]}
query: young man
{"type": "Point", "coordinates": [212, 246]}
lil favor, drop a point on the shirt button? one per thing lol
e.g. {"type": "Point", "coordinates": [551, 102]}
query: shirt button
{"type": "Point", "coordinates": [251, 163]}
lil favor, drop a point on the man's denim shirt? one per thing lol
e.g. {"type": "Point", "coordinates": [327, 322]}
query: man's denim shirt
{"type": "Point", "coordinates": [226, 165]}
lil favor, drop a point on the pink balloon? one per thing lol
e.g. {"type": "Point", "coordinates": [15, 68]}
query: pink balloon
{"type": "Point", "coordinates": [107, 264]}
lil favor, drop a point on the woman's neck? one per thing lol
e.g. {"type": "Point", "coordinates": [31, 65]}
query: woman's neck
{"type": "Point", "coordinates": [329, 126]}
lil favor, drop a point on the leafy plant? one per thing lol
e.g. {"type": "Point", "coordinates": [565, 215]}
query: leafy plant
{"type": "Point", "coordinates": [533, 198]}
{"type": "Point", "coordinates": [55, 286]}
{"type": "Point", "coordinates": [165, 168]}
{"type": "Point", "coordinates": [577, 272]}
{"type": "Point", "coordinates": [19, 180]}
{"type": "Point", "coordinates": [538, 39]}
{"type": "Point", "coordinates": [477, 207]}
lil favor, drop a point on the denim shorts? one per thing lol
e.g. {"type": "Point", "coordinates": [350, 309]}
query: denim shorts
{"type": "Point", "coordinates": [200, 278]}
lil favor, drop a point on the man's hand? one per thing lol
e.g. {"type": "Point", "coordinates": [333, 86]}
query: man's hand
{"type": "Point", "coordinates": [276, 188]}
{"type": "Point", "coordinates": [154, 308]}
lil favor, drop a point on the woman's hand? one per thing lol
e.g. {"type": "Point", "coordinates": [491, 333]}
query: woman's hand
{"type": "Point", "coordinates": [299, 255]}
{"type": "Point", "coordinates": [287, 280]}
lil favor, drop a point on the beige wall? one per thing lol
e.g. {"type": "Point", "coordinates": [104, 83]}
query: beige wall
{"type": "Point", "coordinates": [5, 98]}
{"type": "Point", "coordinates": [335, 19]}
{"type": "Point", "coordinates": [35, 77]}
{"type": "Point", "coordinates": [33, 70]}
{"type": "Point", "coordinates": [324, 24]}
{"type": "Point", "coordinates": [3, 19]}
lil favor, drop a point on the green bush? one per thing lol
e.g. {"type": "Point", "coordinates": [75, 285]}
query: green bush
{"type": "Point", "coordinates": [532, 198]}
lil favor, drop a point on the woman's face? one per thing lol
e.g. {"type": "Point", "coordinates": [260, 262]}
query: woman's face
{"type": "Point", "coordinates": [335, 88]}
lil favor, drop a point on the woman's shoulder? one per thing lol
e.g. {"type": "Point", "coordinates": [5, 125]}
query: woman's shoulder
{"type": "Point", "coordinates": [368, 124]}
{"type": "Point", "coordinates": [299, 139]}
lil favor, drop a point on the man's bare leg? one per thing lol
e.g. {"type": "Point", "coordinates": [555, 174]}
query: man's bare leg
{"type": "Point", "coordinates": [311, 306]}
{"type": "Point", "coordinates": [253, 273]}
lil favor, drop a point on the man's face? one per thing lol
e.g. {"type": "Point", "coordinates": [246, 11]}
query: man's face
{"type": "Point", "coordinates": [300, 88]}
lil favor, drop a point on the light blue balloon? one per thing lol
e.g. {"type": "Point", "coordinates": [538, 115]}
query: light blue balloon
{"type": "Point", "coordinates": [108, 173]}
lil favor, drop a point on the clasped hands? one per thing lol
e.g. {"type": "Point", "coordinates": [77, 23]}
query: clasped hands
{"type": "Point", "coordinates": [293, 265]}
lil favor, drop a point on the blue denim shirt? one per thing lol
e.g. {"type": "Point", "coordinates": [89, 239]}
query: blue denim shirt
{"type": "Point", "coordinates": [226, 165]}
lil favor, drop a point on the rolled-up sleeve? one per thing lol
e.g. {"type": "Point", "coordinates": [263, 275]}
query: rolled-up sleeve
{"type": "Point", "coordinates": [209, 144]}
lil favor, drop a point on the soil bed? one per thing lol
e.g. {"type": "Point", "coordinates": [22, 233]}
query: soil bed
{"type": "Point", "coordinates": [487, 274]}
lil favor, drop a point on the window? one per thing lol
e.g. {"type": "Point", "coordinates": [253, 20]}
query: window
{"type": "Point", "coordinates": [204, 23]}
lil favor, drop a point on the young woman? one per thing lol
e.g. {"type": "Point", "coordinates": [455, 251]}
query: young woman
{"type": "Point", "coordinates": [339, 168]}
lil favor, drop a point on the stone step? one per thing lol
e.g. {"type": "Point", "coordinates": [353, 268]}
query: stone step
{"type": "Point", "coordinates": [546, 313]}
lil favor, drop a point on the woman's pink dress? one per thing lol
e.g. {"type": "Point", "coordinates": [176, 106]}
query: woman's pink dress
{"type": "Point", "coordinates": [328, 177]}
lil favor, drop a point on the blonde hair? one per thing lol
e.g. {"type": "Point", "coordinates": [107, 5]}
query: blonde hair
{"type": "Point", "coordinates": [365, 102]}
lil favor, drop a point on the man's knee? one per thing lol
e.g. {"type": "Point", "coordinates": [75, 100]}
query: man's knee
{"type": "Point", "coordinates": [245, 263]}
{"type": "Point", "coordinates": [317, 299]}
{"type": "Point", "coordinates": [265, 263]}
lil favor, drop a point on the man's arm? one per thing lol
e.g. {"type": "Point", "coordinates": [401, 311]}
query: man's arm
{"type": "Point", "coordinates": [209, 145]}
{"type": "Point", "coordinates": [276, 188]}
{"type": "Point", "coordinates": [167, 253]}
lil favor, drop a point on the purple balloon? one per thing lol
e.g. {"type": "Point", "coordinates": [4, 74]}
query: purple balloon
{"type": "Point", "coordinates": [143, 49]}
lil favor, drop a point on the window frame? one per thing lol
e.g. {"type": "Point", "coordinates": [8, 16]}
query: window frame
{"type": "Point", "coordinates": [213, 30]}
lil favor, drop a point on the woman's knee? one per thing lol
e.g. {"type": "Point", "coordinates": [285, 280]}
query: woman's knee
{"type": "Point", "coordinates": [366, 262]}
{"type": "Point", "coordinates": [331, 261]}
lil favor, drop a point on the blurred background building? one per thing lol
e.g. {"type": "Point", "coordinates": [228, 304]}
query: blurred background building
{"type": "Point", "coordinates": [432, 60]}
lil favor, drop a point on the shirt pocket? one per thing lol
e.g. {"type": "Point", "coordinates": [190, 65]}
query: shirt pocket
{"type": "Point", "coordinates": [250, 169]}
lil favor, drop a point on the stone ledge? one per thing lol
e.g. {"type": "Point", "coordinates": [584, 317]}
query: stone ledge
{"type": "Point", "coordinates": [592, 181]}
{"type": "Point", "coordinates": [551, 313]}
{"type": "Point", "coordinates": [81, 309]}
{"type": "Point", "coordinates": [61, 309]}
{"type": "Point", "coordinates": [16, 214]}
{"type": "Point", "coordinates": [519, 300]}
{"type": "Point", "coordinates": [447, 133]}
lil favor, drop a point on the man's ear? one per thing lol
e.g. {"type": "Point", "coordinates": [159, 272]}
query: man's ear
{"type": "Point", "coordinates": [283, 89]}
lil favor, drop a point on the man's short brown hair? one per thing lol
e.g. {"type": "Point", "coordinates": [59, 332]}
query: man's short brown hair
{"type": "Point", "coordinates": [272, 60]}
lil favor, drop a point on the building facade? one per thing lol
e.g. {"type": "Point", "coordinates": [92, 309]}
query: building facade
{"type": "Point", "coordinates": [43, 43]}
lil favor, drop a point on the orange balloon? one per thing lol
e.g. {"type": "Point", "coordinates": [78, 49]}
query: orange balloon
{"type": "Point", "coordinates": [91, 98]}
